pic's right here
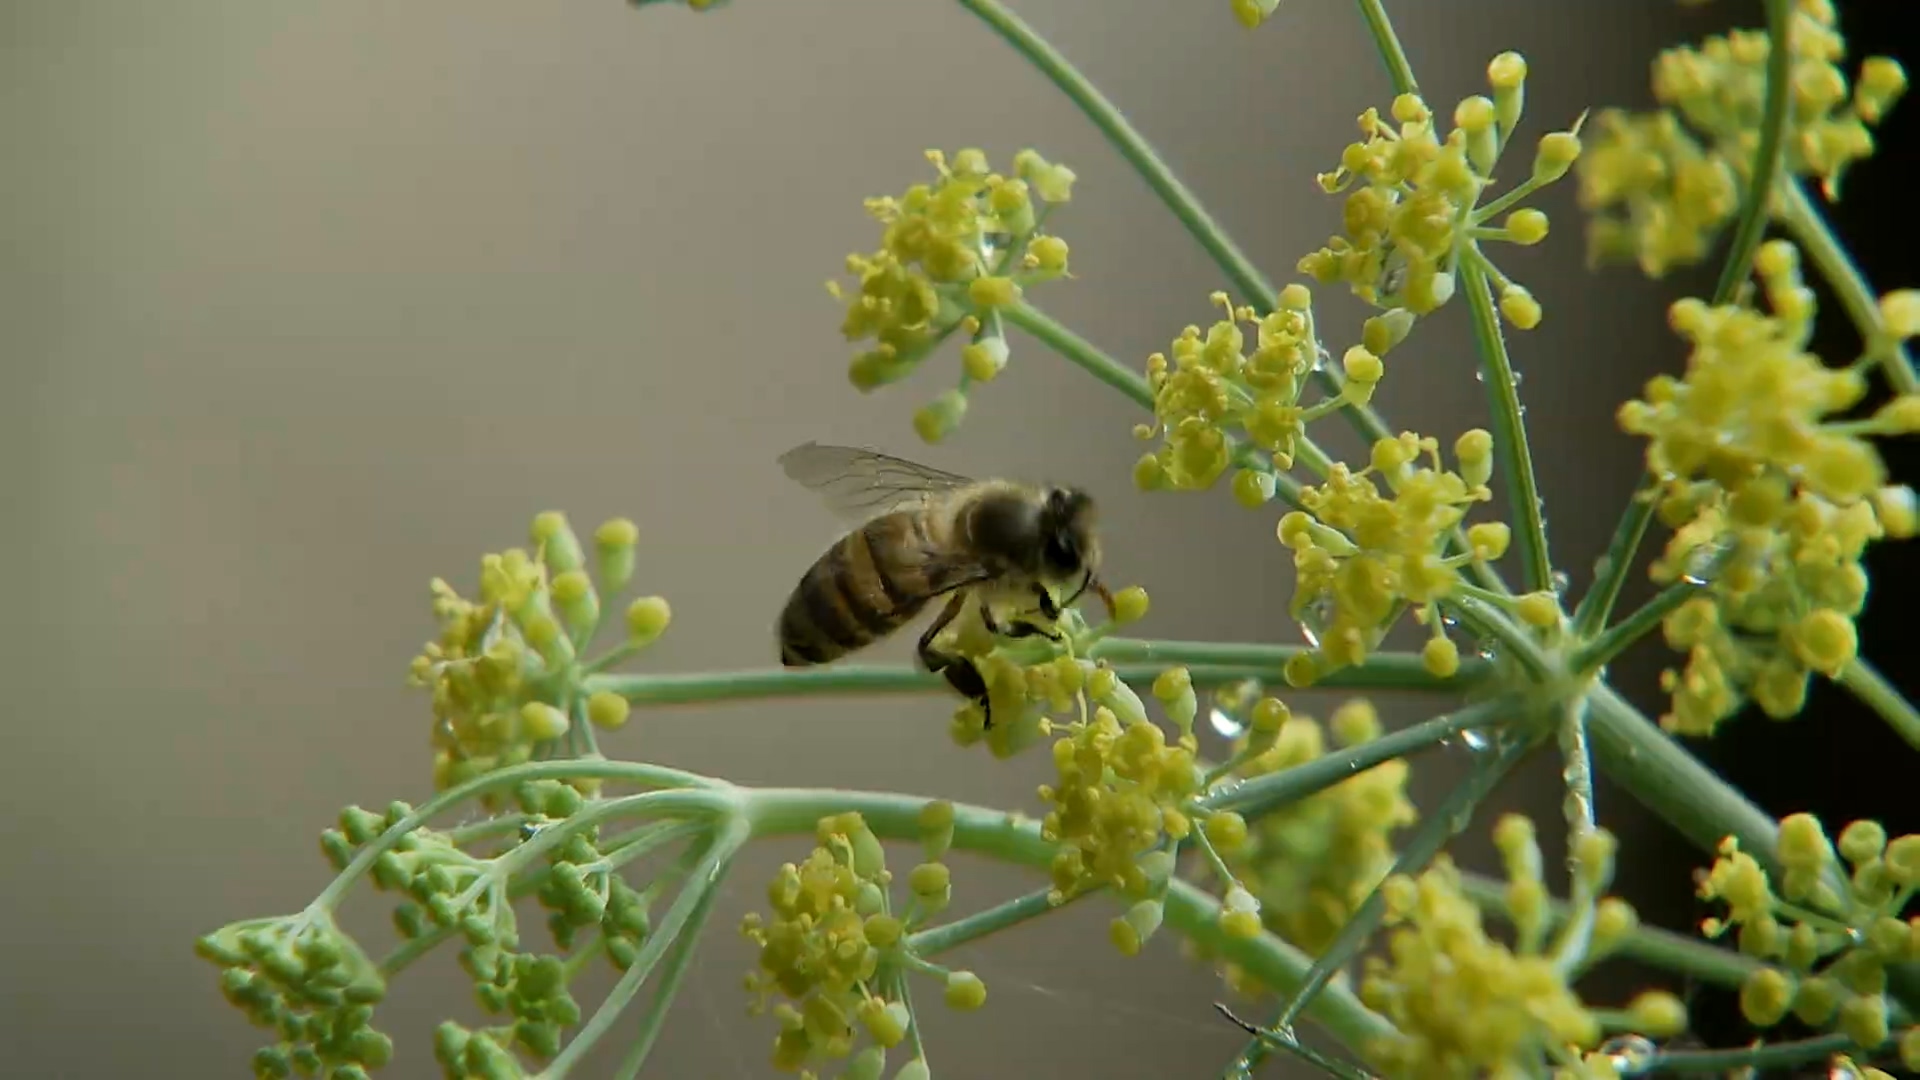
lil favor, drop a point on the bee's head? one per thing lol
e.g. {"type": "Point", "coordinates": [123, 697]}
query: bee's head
{"type": "Point", "coordinates": [1069, 545]}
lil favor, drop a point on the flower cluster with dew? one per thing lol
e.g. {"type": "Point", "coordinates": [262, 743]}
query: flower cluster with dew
{"type": "Point", "coordinates": [1774, 497]}
{"type": "Point", "coordinates": [954, 253]}
{"type": "Point", "coordinates": [1662, 185]}
{"type": "Point", "coordinates": [1413, 207]}
{"type": "Point", "coordinates": [1826, 948]}
{"type": "Point", "coordinates": [1464, 1003]}
{"type": "Point", "coordinates": [1311, 864]}
{"type": "Point", "coordinates": [1282, 863]}
{"type": "Point", "coordinates": [836, 950]}
{"type": "Point", "coordinates": [505, 672]}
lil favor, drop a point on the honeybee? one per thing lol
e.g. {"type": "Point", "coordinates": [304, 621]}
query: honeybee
{"type": "Point", "coordinates": [921, 534]}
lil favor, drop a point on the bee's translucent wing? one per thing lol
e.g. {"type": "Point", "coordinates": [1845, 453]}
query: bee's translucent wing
{"type": "Point", "coordinates": [862, 484]}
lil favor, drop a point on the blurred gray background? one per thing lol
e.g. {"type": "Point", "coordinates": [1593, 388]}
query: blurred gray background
{"type": "Point", "coordinates": [305, 304]}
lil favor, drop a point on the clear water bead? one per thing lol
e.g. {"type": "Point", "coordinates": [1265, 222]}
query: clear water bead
{"type": "Point", "coordinates": [1628, 1053]}
{"type": "Point", "coordinates": [1314, 619]}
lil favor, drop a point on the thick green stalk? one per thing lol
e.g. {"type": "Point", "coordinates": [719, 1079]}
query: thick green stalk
{"type": "Point", "coordinates": [1882, 697]}
{"type": "Point", "coordinates": [1816, 238]}
{"type": "Point", "coordinates": [1597, 653]}
{"type": "Point", "coordinates": [1264, 794]}
{"type": "Point", "coordinates": [1391, 672]}
{"type": "Point", "coordinates": [1189, 911]}
{"type": "Point", "coordinates": [1509, 426]}
{"type": "Point", "coordinates": [1446, 821]}
{"type": "Point", "coordinates": [1388, 42]}
{"type": "Point", "coordinates": [1659, 773]}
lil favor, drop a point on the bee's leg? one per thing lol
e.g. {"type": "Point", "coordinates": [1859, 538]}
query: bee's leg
{"type": "Point", "coordinates": [1019, 628]}
{"type": "Point", "coordinates": [1048, 608]}
{"type": "Point", "coordinates": [960, 672]}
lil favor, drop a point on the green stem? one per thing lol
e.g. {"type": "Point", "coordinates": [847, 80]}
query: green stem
{"type": "Point", "coordinates": [1570, 951]}
{"type": "Point", "coordinates": [1189, 911]}
{"type": "Point", "coordinates": [1766, 156]}
{"type": "Point", "coordinates": [1883, 697]}
{"type": "Point", "coordinates": [1488, 620]}
{"type": "Point", "coordinates": [938, 939]}
{"type": "Point", "coordinates": [695, 895]}
{"type": "Point", "coordinates": [1385, 670]}
{"type": "Point", "coordinates": [1509, 427]}
{"type": "Point", "coordinates": [1394, 672]}
{"type": "Point", "coordinates": [706, 794]}
{"type": "Point", "coordinates": [681, 960]}
{"type": "Point", "coordinates": [1184, 205]}
{"type": "Point", "coordinates": [1663, 949]}
{"type": "Point", "coordinates": [1264, 794]}
{"type": "Point", "coordinates": [1085, 354]}
{"type": "Point", "coordinates": [1659, 773]}
{"type": "Point", "coordinates": [1816, 237]}
{"type": "Point", "coordinates": [1756, 1059]}
{"type": "Point", "coordinates": [1446, 821]}
{"type": "Point", "coordinates": [1615, 640]}
{"type": "Point", "coordinates": [1617, 562]}
{"type": "Point", "coordinates": [1388, 43]}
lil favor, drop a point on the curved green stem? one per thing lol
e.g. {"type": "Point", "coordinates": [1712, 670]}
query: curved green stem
{"type": "Point", "coordinates": [1882, 697]}
{"type": "Point", "coordinates": [1435, 829]}
{"type": "Point", "coordinates": [1765, 170]}
{"type": "Point", "coordinates": [678, 964]}
{"type": "Point", "coordinates": [1816, 237]}
{"type": "Point", "coordinates": [1388, 42]}
{"type": "Point", "coordinates": [1189, 911]}
{"type": "Point", "coordinates": [1509, 426]}
{"type": "Point", "coordinates": [1597, 653]}
{"type": "Point", "coordinates": [695, 895]}
{"type": "Point", "coordinates": [1264, 794]}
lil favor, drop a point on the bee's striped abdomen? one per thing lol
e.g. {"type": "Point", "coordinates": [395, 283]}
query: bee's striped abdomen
{"type": "Point", "coordinates": [870, 583]}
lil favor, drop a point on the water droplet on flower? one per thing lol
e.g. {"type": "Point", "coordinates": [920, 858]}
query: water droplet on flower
{"type": "Point", "coordinates": [1841, 1070]}
{"type": "Point", "coordinates": [1226, 724]}
{"type": "Point", "coordinates": [1629, 1053]}
{"type": "Point", "coordinates": [1485, 648]}
{"type": "Point", "coordinates": [1314, 619]}
{"type": "Point", "coordinates": [1448, 621]}
{"type": "Point", "coordinates": [1698, 569]}
{"type": "Point", "coordinates": [1559, 581]}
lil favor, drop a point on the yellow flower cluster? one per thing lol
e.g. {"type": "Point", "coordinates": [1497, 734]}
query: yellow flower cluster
{"type": "Point", "coordinates": [1120, 791]}
{"type": "Point", "coordinates": [1467, 1005]}
{"type": "Point", "coordinates": [952, 252]}
{"type": "Point", "coordinates": [1828, 953]}
{"type": "Point", "coordinates": [1663, 184]}
{"type": "Point", "coordinates": [1773, 501]}
{"type": "Point", "coordinates": [1312, 863]}
{"type": "Point", "coordinates": [829, 941]}
{"type": "Point", "coordinates": [1412, 208]}
{"type": "Point", "coordinates": [502, 670]}
{"type": "Point", "coordinates": [1362, 555]}
{"type": "Point", "coordinates": [1032, 681]}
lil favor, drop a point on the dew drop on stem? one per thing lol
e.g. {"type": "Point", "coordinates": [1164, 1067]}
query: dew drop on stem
{"type": "Point", "coordinates": [1314, 618]}
{"type": "Point", "coordinates": [1226, 724]}
{"type": "Point", "coordinates": [1628, 1053]}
